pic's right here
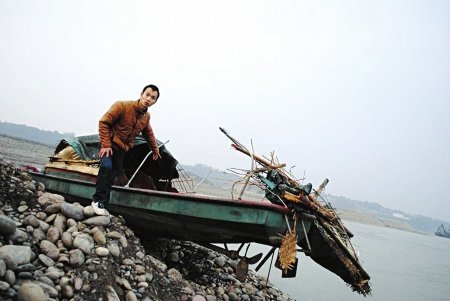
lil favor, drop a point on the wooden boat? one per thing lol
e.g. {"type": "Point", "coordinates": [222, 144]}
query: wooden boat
{"type": "Point", "coordinates": [153, 206]}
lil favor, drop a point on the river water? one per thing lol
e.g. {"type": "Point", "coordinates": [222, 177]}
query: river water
{"type": "Point", "coordinates": [403, 266]}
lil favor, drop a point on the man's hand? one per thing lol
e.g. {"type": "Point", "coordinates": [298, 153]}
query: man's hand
{"type": "Point", "coordinates": [105, 151]}
{"type": "Point", "coordinates": [156, 155]}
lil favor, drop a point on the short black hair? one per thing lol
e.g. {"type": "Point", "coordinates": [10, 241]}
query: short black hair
{"type": "Point", "coordinates": [153, 87]}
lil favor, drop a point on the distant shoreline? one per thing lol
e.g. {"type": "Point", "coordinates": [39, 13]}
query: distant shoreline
{"type": "Point", "coordinates": [367, 218]}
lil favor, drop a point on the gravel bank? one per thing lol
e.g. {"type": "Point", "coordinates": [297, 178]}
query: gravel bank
{"type": "Point", "coordinates": [53, 250]}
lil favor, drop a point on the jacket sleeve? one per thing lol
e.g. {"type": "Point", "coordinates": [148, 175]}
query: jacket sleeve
{"type": "Point", "coordinates": [106, 122]}
{"type": "Point", "coordinates": [149, 136]}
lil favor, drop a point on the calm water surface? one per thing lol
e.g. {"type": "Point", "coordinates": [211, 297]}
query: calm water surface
{"type": "Point", "coordinates": [402, 265]}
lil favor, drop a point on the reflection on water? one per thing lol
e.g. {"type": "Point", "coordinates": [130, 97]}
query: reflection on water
{"type": "Point", "coordinates": [402, 265]}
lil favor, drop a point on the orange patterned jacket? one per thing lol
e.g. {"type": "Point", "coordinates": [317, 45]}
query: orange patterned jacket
{"type": "Point", "coordinates": [122, 123]}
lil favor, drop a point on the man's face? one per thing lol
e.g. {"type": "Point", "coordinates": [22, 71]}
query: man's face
{"type": "Point", "coordinates": [148, 98]}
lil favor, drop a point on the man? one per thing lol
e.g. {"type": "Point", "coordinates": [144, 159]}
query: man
{"type": "Point", "coordinates": [117, 129]}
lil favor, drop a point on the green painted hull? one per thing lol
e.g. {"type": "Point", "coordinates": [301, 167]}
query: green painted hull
{"type": "Point", "coordinates": [184, 216]}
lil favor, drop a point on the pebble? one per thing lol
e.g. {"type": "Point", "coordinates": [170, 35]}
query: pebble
{"type": "Point", "coordinates": [53, 234]}
{"type": "Point", "coordinates": [2, 268]}
{"type": "Point", "coordinates": [4, 286]}
{"type": "Point", "coordinates": [66, 238]}
{"type": "Point", "coordinates": [10, 277]}
{"type": "Point", "coordinates": [7, 225]}
{"type": "Point", "coordinates": [101, 251]}
{"type": "Point", "coordinates": [99, 237]}
{"type": "Point", "coordinates": [31, 220]}
{"type": "Point", "coordinates": [84, 242]}
{"type": "Point", "coordinates": [76, 258]}
{"type": "Point", "coordinates": [98, 221]}
{"type": "Point", "coordinates": [60, 222]}
{"type": "Point", "coordinates": [31, 292]}
{"type": "Point", "coordinates": [46, 260]}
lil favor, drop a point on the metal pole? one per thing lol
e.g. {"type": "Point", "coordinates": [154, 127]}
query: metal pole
{"type": "Point", "coordinates": [142, 163]}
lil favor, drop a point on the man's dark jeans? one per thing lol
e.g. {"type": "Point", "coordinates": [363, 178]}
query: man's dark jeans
{"type": "Point", "coordinates": [109, 169]}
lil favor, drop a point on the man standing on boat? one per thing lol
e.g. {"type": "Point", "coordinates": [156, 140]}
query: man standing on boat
{"type": "Point", "coordinates": [117, 129]}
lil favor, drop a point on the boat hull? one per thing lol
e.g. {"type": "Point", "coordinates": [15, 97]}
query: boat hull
{"type": "Point", "coordinates": [184, 216]}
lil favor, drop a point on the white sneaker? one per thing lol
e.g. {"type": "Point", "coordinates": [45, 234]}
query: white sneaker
{"type": "Point", "coordinates": [99, 208]}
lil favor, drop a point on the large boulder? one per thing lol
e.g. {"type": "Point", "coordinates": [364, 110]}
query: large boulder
{"type": "Point", "coordinates": [73, 211]}
{"type": "Point", "coordinates": [19, 254]}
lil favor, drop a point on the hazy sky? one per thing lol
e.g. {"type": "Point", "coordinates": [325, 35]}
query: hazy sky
{"type": "Point", "coordinates": [354, 91]}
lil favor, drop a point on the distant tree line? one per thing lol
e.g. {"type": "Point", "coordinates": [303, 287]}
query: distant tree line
{"type": "Point", "coordinates": [33, 134]}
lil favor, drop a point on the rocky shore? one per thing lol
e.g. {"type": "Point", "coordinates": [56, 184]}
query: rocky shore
{"type": "Point", "coordinates": [53, 250]}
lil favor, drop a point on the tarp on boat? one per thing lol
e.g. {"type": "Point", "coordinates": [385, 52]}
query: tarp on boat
{"type": "Point", "coordinates": [86, 148]}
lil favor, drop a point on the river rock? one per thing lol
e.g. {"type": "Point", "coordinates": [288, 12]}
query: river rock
{"type": "Point", "coordinates": [67, 291]}
{"type": "Point", "coordinates": [76, 258]}
{"type": "Point", "coordinates": [19, 236]}
{"type": "Point", "coordinates": [142, 284]}
{"type": "Point", "coordinates": [41, 215]}
{"type": "Point", "coordinates": [66, 238]}
{"type": "Point", "coordinates": [31, 292]}
{"type": "Point", "coordinates": [46, 260]}
{"type": "Point", "coordinates": [98, 221]}
{"type": "Point", "coordinates": [128, 261]}
{"type": "Point", "coordinates": [131, 296]}
{"type": "Point", "coordinates": [198, 298]}
{"type": "Point", "coordinates": [44, 226]}
{"type": "Point", "coordinates": [99, 237]}
{"type": "Point", "coordinates": [49, 289]}
{"type": "Point", "coordinates": [101, 251]}
{"type": "Point", "coordinates": [22, 208]}
{"type": "Point", "coordinates": [53, 209]}
{"type": "Point", "coordinates": [174, 275]}
{"type": "Point", "coordinates": [71, 222]}
{"type": "Point", "coordinates": [10, 277]}
{"type": "Point", "coordinates": [10, 263]}
{"type": "Point", "coordinates": [53, 234]}
{"type": "Point", "coordinates": [54, 273]}
{"type": "Point", "coordinates": [233, 296]}
{"type": "Point", "coordinates": [78, 283]}
{"type": "Point", "coordinates": [84, 242]}
{"type": "Point", "coordinates": [140, 255]}
{"type": "Point", "coordinates": [72, 211]}
{"type": "Point", "coordinates": [220, 261]}
{"type": "Point", "coordinates": [7, 225]}
{"type": "Point", "coordinates": [140, 269]}
{"type": "Point", "coordinates": [123, 241]}
{"type": "Point", "coordinates": [38, 235]}
{"type": "Point", "coordinates": [158, 264]}
{"type": "Point", "coordinates": [18, 254]}
{"type": "Point", "coordinates": [88, 211]}
{"type": "Point", "coordinates": [113, 235]}
{"type": "Point", "coordinates": [111, 294]}
{"type": "Point", "coordinates": [49, 249]}
{"type": "Point", "coordinates": [50, 218]}
{"type": "Point", "coordinates": [60, 222]}
{"type": "Point", "coordinates": [114, 250]}
{"type": "Point", "coordinates": [46, 199]}
{"type": "Point", "coordinates": [27, 267]}
{"type": "Point", "coordinates": [31, 220]}
{"type": "Point", "coordinates": [4, 286]}
{"type": "Point", "coordinates": [2, 268]}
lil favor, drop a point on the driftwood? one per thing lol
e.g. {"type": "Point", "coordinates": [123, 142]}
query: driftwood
{"type": "Point", "coordinates": [309, 201]}
{"type": "Point", "coordinates": [334, 234]}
